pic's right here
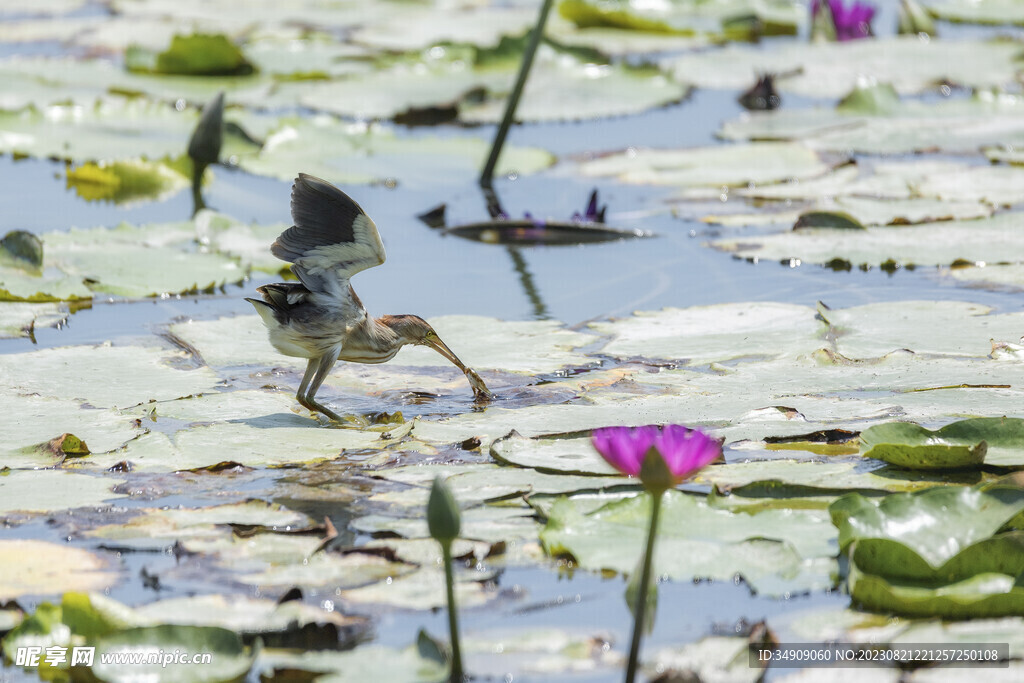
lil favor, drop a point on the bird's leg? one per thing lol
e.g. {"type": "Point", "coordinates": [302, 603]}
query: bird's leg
{"type": "Point", "coordinates": [318, 369]}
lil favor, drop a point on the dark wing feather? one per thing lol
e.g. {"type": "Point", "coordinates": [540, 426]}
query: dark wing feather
{"type": "Point", "coordinates": [332, 238]}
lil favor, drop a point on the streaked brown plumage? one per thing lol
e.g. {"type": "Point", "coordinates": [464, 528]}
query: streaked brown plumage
{"type": "Point", "coordinates": [320, 317]}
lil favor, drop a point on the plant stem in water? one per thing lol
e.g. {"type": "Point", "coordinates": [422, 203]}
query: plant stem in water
{"type": "Point", "coordinates": [640, 607]}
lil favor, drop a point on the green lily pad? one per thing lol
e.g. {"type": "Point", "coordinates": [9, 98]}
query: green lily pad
{"type": "Point", "coordinates": [226, 657]}
{"type": "Point", "coordinates": [198, 54]}
{"type": "Point", "coordinates": [937, 524]}
{"type": "Point", "coordinates": [986, 239]}
{"type": "Point", "coordinates": [913, 447]}
{"type": "Point", "coordinates": [19, 319]}
{"type": "Point", "coordinates": [981, 596]}
{"type": "Point", "coordinates": [19, 285]}
{"type": "Point", "coordinates": [776, 551]}
{"type": "Point", "coordinates": [827, 477]}
{"type": "Point", "coordinates": [992, 440]}
{"type": "Point", "coordinates": [733, 165]}
{"type": "Point", "coordinates": [124, 181]}
{"type": "Point", "coordinates": [350, 153]}
{"type": "Point", "coordinates": [536, 652]}
{"type": "Point", "coordinates": [422, 26]}
{"type": "Point", "coordinates": [51, 490]}
{"type": "Point", "coordinates": [775, 17]}
{"type": "Point", "coordinates": [839, 220]}
{"type": "Point", "coordinates": [30, 567]}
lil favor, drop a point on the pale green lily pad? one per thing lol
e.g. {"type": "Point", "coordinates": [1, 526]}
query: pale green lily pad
{"type": "Point", "coordinates": [49, 81]}
{"type": "Point", "coordinates": [986, 239]}
{"type": "Point", "coordinates": [228, 657]}
{"type": "Point", "coordinates": [452, 76]}
{"type": "Point", "coordinates": [51, 285]}
{"type": "Point", "coordinates": [622, 42]}
{"type": "Point", "coordinates": [426, 551]}
{"type": "Point", "coordinates": [30, 567]}
{"type": "Point", "coordinates": [558, 455]}
{"type": "Point", "coordinates": [32, 420]}
{"type": "Point", "coordinates": [705, 334]}
{"type": "Point", "coordinates": [865, 210]}
{"type": "Point", "coordinates": [978, 631]}
{"type": "Point", "coordinates": [733, 165]}
{"type": "Point", "coordinates": [249, 243]}
{"type": "Point", "coordinates": [473, 484]}
{"type": "Point", "coordinates": [18, 319]}
{"type": "Point", "coordinates": [322, 569]}
{"type": "Point", "coordinates": [226, 342]}
{"type": "Point", "coordinates": [157, 528]}
{"type": "Point", "coordinates": [714, 658]}
{"type": "Point", "coordinates": [349, 153]}
{"type": "Point", "coordinates": [364, 663]}
{"type": "Point", "coordinates": [424, 589]}
{"type": "Point", "coordinates": [84, 372]}
{"type": "Point", "coordinates": [775, 551]}
{"type": "Point", "coordinates": [315, 57]}
{"type": "Point", "coordinates": [540, 652]}
{"type": "Point", "coordinates": [249, 444]}
{"type": "Point", "coordinates": [52, 490]}
{"type": "Point", "coordinates": [425, 27]}
{"type": "Point", "coordinates": [911, 64]}
{"type": "Point", "coordinates": [231, 406]}
{"type": "Point", "coordinates": [936, 327]}
{"type": "Point", "coordinates": [990, 276]}
{"type": "Point", "coordinates": [486, 523]}
{"type": "Point", "coordinates": [244, 615]}
{"type": "Point", "coordinates": [978, 11]}
{"type": "Point", "coordinates": [953, 126]}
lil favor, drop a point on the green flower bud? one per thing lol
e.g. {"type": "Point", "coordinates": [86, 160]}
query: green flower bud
{"type": "Point", "coordinates": [655, 474]}
{"type": "Point", "coordinates": [443, 516]}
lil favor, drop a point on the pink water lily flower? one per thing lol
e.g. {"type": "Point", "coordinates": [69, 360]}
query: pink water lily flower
{"type": "Point", "coordinates": [684, 450]}
{"type": "Point", "coordinates": [852, 22]}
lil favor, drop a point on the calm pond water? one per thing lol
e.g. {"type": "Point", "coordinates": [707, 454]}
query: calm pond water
{"type": "Point", "coordinates": [431, 274]}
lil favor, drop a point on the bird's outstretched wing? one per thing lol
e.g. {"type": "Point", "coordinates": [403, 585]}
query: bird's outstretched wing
{"type": "Point", "coordinates": [332, 239]}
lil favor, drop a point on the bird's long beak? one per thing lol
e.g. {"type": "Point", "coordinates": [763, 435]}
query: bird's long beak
{"type": "Point", "coordinates": [443, 349]}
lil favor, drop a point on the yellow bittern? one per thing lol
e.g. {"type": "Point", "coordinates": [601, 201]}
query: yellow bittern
{"type": "Point", "coordinates": [320, 317]}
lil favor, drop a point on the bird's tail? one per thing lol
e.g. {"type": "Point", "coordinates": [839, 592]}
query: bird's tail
{"type": "Point", "coordinates": [265, 310]}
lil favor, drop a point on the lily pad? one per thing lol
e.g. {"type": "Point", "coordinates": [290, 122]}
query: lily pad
{"type": "Point", "coordinates": [911, 446]}
{"type": "Point", "coordinates": [981, 596]}
{"type": "Point", "coordinates": [20, 319]}
{"type": "Point", "coordinates": [197, 54]}
{"type": "Point", "coordinates": [712, 658]}
{"type": "Point", "coordinates": [124, 181]}
{"type": "Point", "coordinates": [986, 239]}
{"type": "Point", "coordinates": [412, 664]}
{"type": "Point", "coordinates": [776, 551]}
{"type": "Point", "coordinates": [51, 490]}
{"type": "Point", "coordinates": [704, 334]}
{"type": "Point", "coordinates": [823, 69]}
{"type": "Point", "coordinates": [937, 525]}
{"type": "Point", "coordinates": [775, 17]}
{"type": "Point", "coordinates": [937, 327]}
{"type": "Point", "coordinates": [733, 165]}
{"type": "Point", "coordinates": [559, 455]}
{"type": "Point", "coordinates": [30, 567]}
{"type": "Point", "coordinates": [225, 657]}
{"type": "Point", "coordinates": [84, 372]}
{"type": "Point", "coordinates": [973, 12]}
{"type": "Point", "coordinates": [350, 153]}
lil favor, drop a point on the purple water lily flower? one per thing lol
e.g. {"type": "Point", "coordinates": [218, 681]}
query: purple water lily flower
{"type": "Point", "coordinates": [592, 214]}
{"type": "Point", "coordinates": [850, 23]}
{"type": "Point", "coordinates": [685, 451]}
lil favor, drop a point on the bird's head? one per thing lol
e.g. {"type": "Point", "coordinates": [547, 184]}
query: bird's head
{"type": "Point", "coordinates": [412, 329]}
